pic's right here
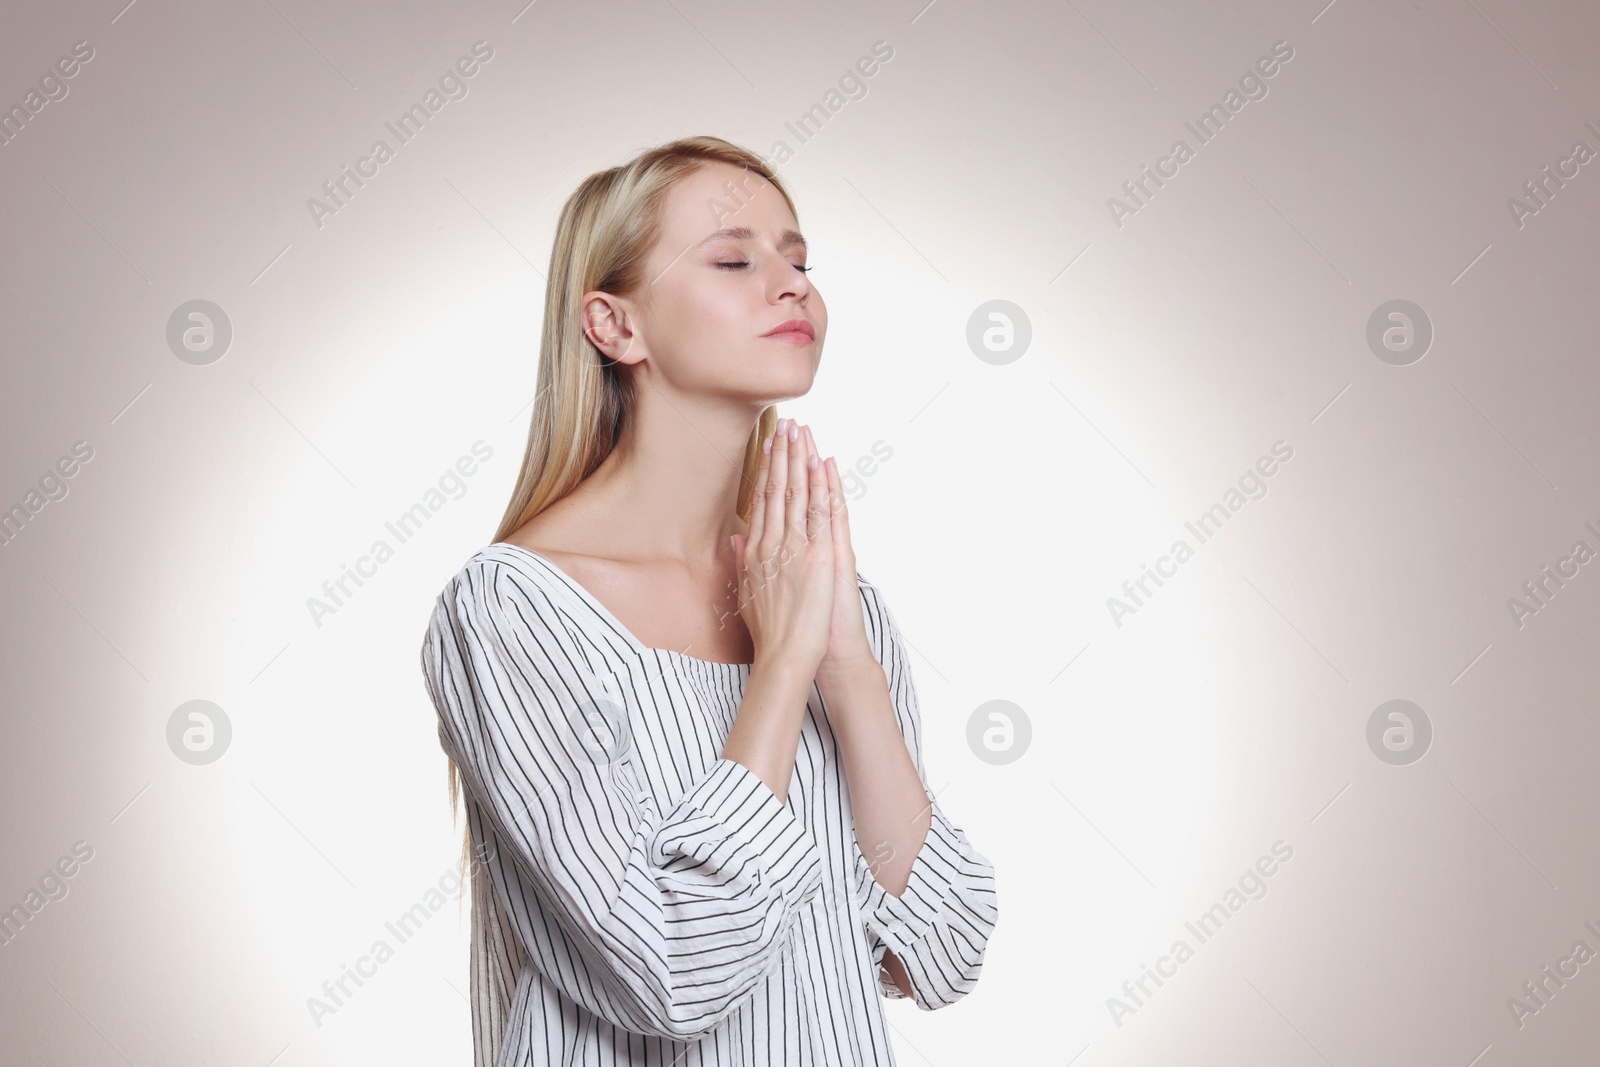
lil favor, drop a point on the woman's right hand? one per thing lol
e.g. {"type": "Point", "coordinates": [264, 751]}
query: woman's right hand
{"type": "Point", "coordinates": [785, 564]}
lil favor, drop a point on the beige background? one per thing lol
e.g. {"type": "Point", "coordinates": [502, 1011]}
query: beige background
{"type": "Point", "coordinates": [1168, 354]}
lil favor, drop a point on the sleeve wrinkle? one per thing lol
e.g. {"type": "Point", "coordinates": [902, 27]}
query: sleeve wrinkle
{"type": "Point", "coordinates": [939, 925]}
{"type": "Point", "coordinates": [675, 918]}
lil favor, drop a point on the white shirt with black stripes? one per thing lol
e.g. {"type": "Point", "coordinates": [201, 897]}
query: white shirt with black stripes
{"type": "Point", "coordinates": [637, 899]}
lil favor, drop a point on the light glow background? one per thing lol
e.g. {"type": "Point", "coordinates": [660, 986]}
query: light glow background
{"type": "Point", "coordinates": [1169, 351]}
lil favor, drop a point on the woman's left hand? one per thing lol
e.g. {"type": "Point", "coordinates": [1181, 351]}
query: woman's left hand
{"type": "Point", "coordinates": [848, 649]}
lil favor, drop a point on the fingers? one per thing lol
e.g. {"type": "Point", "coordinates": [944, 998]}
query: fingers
{"type": "Point", "coordinates": [797, 492]}
{"type": "Point", "coordinates": [838, 515]}
{"type": "Point", "coordinates": [775, 502]}
{"type": "Point", "coordinates": [794, 498]}
{"type": "Point", "coordinates": [758, 498]}
{"type": "Point", "coordinates": [817, 512]}
{"type": "Point", "coordinates": [832, 494]}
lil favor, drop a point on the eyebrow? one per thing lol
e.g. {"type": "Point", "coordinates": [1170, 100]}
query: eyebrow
{"type": "Point", "coordinates": [745, 233]}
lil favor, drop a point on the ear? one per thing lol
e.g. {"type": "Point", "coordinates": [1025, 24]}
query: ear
{"type": "Point", "coordinates": [608, 323]}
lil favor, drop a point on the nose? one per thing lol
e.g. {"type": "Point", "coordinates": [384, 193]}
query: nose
{"type": "Point", "coordinates": [785, 280]}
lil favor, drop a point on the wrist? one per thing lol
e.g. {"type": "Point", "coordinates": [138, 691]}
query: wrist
{"type": "Point", "coordinates": [841, 675]}
{"type": "Point", "coordinates": [860, 708]}
{"type": "Point", "coordinates": [784, 673]}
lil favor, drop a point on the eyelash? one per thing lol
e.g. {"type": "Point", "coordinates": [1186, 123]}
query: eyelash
{"type": "Point", "coordinates": [746, 263]}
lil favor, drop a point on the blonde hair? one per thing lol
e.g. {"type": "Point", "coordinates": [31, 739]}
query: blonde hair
{"type": "Point", "coordinates": [607, 229]}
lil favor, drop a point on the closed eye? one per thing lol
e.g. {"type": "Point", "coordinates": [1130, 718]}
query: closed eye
{"type": "Point", "coordinates": [745, 263]}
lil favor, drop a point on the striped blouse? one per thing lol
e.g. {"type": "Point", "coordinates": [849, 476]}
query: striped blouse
{"type": "Point", "coordinates": [637, 899]}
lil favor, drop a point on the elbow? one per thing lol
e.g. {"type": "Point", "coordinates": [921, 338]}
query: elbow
{"type": "Point", "coordinates": [945, 992]}
{"type": "Point", "coordinates": [946, 985]}
{"type": "Point", "coordinates": [703, 981]}
{"type": "Point", "coordinates": [691, 1014]}
{"type": "Point", "coordinates": [950, 971]}
{"type": "Point", "coordinates": [684, 1030]}
{"type": "Point", "coordinates": [679, 1016]}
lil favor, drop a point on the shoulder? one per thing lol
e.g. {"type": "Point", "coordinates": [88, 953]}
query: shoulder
{"type": "Point", "coordinates": [497, 582]}
{"type": "Point", "coordinates": [506, 564]}
{"type": "Point", "coordinates": [502, 614]}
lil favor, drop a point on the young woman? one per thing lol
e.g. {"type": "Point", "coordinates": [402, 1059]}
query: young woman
{"type": "Point", "coordinates": [698, 818]}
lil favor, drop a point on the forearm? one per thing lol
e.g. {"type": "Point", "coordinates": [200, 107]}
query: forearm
{"type": "Point", "coordinates": [887, 798]}
{"type": "Point", "coordinates": [766, 732]}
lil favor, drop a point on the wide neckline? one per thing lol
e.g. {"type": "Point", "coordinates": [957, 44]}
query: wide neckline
{"type": "Point", "coordinates": [604, 612]}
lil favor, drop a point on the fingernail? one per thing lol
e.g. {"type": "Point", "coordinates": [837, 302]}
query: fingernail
{"type": "Point", "coordinates": [794, 432]}
{"type": "Point", "coordinates": [782, 423]}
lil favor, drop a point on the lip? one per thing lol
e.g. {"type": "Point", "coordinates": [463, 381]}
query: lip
{"type": "Point", "coordinates": [797, 331]}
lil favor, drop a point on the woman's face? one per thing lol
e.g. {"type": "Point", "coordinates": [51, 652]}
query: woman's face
{"type": "Point", "coordinates": [711, 299]}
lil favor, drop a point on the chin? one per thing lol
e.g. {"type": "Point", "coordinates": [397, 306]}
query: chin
{"type": "Point", "coordinates": [794, 384]}
{"type": "Point", "coordinates": [775, 390]}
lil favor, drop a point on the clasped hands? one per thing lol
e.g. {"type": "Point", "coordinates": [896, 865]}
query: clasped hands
{"type": "Point", "coordinates": [796, 569]}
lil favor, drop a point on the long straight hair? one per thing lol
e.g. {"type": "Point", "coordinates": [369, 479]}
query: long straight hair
{"type": "Point", "coordinates": [607, 229]}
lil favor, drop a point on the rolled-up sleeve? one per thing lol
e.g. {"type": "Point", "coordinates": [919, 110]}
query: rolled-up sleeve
{"type": "Point", "coordinates": [677, 915]}
{"type": "Point", "coordinates": [939, 926]}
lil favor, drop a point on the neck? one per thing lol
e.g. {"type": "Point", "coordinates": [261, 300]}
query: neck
{"type": "Point", "coordinates": [670, 488]}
